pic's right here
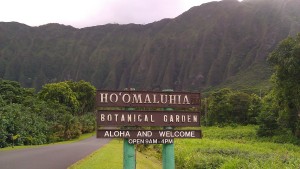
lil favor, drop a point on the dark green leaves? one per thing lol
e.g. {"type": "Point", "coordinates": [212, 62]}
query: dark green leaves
{"type": "Point", "coordinates": [60, 111]}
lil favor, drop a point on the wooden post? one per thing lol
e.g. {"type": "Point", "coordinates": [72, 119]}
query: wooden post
{"type": "Point", "coordinates": [168, 154]}
{"type": "Point", "coordinates": [129, 157]}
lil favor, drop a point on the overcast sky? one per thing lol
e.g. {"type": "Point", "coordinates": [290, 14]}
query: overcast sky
{"type": "Point", "coordinates": [85, 13]}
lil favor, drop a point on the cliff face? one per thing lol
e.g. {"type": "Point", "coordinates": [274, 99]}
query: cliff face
{"type": "Point", "coordinates": [204, 46]}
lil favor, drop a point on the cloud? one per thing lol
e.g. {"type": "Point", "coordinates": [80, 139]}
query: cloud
{"type": "Point", "coordinates": [141, 11]}
{"type": "Point", "coordinates": [82, 13]}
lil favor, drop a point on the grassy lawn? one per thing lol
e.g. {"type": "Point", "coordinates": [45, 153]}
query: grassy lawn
{"type": "Point", "coordinates": [82, 137]}
{"type": "Point", "coordinates": [221, 148]}
{"type": "Point", "coordinates": [235, 147]}
{"type": "Point", "coordinates": [111, 157]}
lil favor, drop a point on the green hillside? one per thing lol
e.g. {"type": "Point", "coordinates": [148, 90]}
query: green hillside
{"type": "Point", "coordinates": [217, 43]}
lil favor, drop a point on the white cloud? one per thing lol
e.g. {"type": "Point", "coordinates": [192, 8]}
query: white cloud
{"type": "Point", "coordinates": [83, 13]}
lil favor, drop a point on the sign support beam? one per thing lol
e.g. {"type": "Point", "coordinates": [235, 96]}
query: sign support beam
{"type": "Point", "coordinates": [168, 154]}
{"type": "Point", "coordinates": [129, 157]}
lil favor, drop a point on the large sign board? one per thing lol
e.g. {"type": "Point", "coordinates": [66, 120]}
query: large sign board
{"type": "Point", "coordinates": [147, 99]}
{"type": "Point", "coordinates": [184, 112]}
{"type": "Point", "coordinates": [147, 118]}
{"type": "Point", "coordinates": [149, 134]}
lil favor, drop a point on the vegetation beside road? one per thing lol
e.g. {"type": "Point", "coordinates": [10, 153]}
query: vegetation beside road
{"type": "Point", "coordinates": [235, 147]}
{"type": "Point", "coordinates": [58, 112]}
{"type": "Point", "coordinates": [111, 157]}
{"type": "Point", "coordinates": [221, 147]}
{"type": "Point", "coordinates": [81, 137]}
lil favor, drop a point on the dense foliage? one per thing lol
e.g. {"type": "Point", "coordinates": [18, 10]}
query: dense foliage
{"type": "Point", "coordinates": [226, 106]}
{"type": "Point", "coordinates": [60, 111]}
{"type": "Point", "coordinates": [281, 110]}
{"type": "Point", "coordinates": [278, 112]}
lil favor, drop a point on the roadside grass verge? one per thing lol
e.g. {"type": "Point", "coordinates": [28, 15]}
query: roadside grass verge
{"type": "Point", "coordinates": [110, 156]}
{"type": "Point", "coordinates": [229, 147]}
{"type": "Point", "coordinates": [82, 137]}
{"type": "Point", "coordinates": [234, 147]}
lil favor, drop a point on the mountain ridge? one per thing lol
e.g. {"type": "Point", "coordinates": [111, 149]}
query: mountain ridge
{"type": "Point", "coordinates": [203, 47]}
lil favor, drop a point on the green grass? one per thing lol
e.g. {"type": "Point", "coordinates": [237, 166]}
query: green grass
{"type": "Point", "coordinates": [82, 137]}
{"type": "Point", "coordinates": [221, 148]}
{"type": "Point", "coordinates": [234, 147]}
{"type": "Point", "coordinates": [230, 147]}
{"type": "Point", "coordinates": [111, 157]}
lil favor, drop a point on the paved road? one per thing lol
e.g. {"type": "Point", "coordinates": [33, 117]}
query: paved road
{"type": "Point", "coordinates": [50, 157]}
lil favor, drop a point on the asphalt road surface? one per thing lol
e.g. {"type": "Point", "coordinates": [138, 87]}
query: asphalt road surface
{"type": "Point", "coordinates": [50, 157]}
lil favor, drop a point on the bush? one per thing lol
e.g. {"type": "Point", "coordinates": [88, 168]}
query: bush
{"type": "Point", "coordinates": [47, 119]}
{"type": "Point", "coordinates": [226, 107]}
{"type": "Point", "coordinates": [88, 122]}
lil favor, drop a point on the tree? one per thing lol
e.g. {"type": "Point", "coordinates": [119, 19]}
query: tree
{"type": "Point", "coordinates": [11, 91]}
{"type": "Point", "coordinates": [85, 94]}
{"type": "Point", "coordinates": [60, 93]}
{"type": "Point", "coordinates": [218, 107]}
{"type": "Point", "coordinates": [88, 122]}
{"type": "Point", "coordinates": [18, 124]}
{"type": "Point", "coordinates": [227, 106]}
{"type": "Point", "coordinates": [285, 60]}
{"type": "Point", "coordinates": [254, 109]}
{"type": "Point", "coordinates": [239, 107]}
{"type": "Point", "coordinates": [267, 119]}
{"type": "Point", "coordinates": [2, 102]}
{"type": "Point", "coordinates": [27, 118]}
